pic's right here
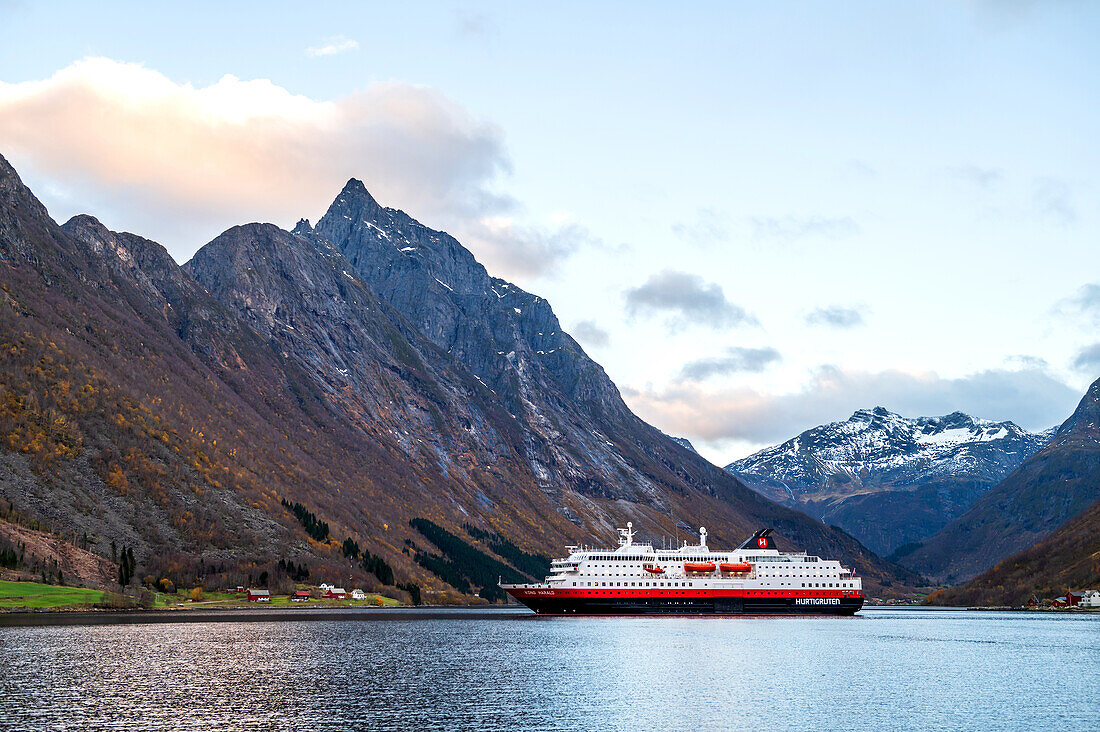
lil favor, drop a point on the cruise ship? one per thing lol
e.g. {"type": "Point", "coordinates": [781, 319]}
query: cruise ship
{"type": "Point", "coordinates": [637, 579]}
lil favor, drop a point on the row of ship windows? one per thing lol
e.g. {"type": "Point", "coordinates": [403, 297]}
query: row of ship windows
{"type": "Point", "coordinates": [692, 584]}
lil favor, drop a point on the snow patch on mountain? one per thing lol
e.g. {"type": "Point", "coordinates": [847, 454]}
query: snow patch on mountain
{"type": "Point", "coordinates": [890, 448]}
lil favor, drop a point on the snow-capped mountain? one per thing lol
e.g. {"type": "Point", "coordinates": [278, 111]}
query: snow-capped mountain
{"type": "Point", "coordinates": [889, 480]}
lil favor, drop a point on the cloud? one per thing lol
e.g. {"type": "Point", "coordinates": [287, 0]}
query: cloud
{"type": "Point", "coordinates": [709, 227]}
{"type": "Point", "coordinates": [527, 251]}
{"type": "Point", "coordinates": [1029, 397]}
{"type": "Point", "coordinates": [1088, 360]}
{"type": "Point", "coordinates": [981, 177]}
{"type": "Point", "coordinates": [333, 46]}
{"type": "Point", "coordinates": [587, 332]}
{"type": "Point", "coordinates": [180, 163]}
{"type": "Point", "coordinates": [1027, 361]}
{"type": "Point", "coordinates": [474, 25]}
{"type": "Point", "coordinates": [687, 298]}
{"type": "Point", "coordinates": [1053, 199]}
{"type": "Point", "coordinates": [734, 360]}
{"type": "Point", "coordinates": [791, 228]}
{"type": "Point", "coordinates": [1086, 302]}
{"type": "Point", "coordinates": [835, 316]}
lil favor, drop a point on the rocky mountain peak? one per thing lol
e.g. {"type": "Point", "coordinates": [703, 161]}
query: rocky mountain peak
{"type": "Point", "coordinates": [355, 201]}
{"type": "Point", "coordinates": [1085, 420]}
{"type": "Point", "coordinates": [18, 208]}
{"type": "Point", "coordinates": [886, 478]}
{"type": "Point", "coordinates": [88, 229]}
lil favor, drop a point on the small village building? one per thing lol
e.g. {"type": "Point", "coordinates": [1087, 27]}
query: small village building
{"type": "Point", "coordinates": [1059, 602]}
{"type": "Point", "coordinates": [259, 596]}
{"type": "Point", "coordinates": [336, 593]}
{"type": "Point", "coordinates": [358, 595]}
{"type": "Point", "coordinates": [299, 596]}
{"type": "Point", "coordinates": [1090, 598]}
{"type": "Point", "coordinates": [1073, 599]}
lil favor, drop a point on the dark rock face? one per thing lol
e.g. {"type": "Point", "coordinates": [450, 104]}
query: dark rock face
{"type": "Point", "coordinates": [572, 414]}
{"type": "Point", "coordinates": [371, 366]}
{"type": "Point", "coordinates": [888, 480]}
{"type": "Point", "coordinates": [1050, 488]}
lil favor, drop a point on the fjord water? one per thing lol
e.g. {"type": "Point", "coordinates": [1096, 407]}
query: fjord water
{"type": "Point", "coordinates": [883, 669]}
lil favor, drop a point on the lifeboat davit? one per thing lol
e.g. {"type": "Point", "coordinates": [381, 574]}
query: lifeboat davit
{"type": "Point", "coordinates": [699, 566]}
{"type": "Point", "coordinates": [654, 570]}
{"type": "Point", "coordinates": [735, 567]}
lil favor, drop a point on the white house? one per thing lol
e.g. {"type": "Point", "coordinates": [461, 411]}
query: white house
{"type": "Point", "coordinates": [1090, 598]}
{"type": "Point", "coordinates": [358, 595]}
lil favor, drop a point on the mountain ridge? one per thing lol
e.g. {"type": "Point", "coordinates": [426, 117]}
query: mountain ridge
{"type": "Point", "coordinates": [887, 479]}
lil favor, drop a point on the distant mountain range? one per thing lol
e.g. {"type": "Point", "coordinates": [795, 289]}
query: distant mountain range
{"type": "Point", "coordinates": [353, 376]}
{"type": "Point", "coordinates": [1040, 501]}
{"type": "Point", "coordinates": [888, 480]}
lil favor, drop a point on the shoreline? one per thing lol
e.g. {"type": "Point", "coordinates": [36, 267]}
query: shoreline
{"type": "Point", "coordinates": [24, 618]}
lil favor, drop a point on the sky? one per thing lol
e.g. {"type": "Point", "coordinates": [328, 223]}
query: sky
{"type": "Point", "coordinates": [758, 217]}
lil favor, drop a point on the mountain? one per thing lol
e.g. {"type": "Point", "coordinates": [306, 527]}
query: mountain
{"type": "Point", "coordinates": [685, 443]}
{"type": "Point", "coordinates": [889, 480]}
{"type": "Point", "coordinates": [1054, 485]}
{"type": "Point", "coordinates": [285, 389]}
{"type": "Point", "coordinates": [1068, 559]}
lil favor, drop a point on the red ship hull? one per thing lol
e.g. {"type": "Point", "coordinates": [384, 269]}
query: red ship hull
{"type": "Point", "coordinates": [546, 601]}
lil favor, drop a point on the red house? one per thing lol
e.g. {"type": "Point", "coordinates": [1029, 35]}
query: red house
{"type": "Point", "coordinates": [336, 593]}
{"type": "Point", "coordinates": [299, 596]}
{"type": "Point", "coordinates": [259, 596]}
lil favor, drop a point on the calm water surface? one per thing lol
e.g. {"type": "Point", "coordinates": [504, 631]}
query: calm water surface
{"type": "Point", "coordinates": [884, 669]}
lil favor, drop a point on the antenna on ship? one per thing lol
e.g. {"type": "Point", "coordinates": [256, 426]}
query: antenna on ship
{"type": "Point", "coordinates": [626, 536]}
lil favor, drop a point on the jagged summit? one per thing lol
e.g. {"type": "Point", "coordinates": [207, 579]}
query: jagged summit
{"type": "Point", "coordinates": [1085, 420]}
{"type": "Point", "coordinates": [15, 195]}
{"type": "Point", "coordinates": [878, 468]}
{"type": "Point", "coordinates": [355, 200]}
{"type": "Point", "coordinates": [885, 443]}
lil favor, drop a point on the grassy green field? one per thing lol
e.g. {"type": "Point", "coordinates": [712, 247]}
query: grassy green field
{"type": "Point", "coordinates": [34, 594]}
{"type": "Point", "coordinates": [16, 595]}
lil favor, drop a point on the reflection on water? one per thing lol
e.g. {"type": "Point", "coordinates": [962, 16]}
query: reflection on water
{"type": "Point", "coordinates": [883, 669]}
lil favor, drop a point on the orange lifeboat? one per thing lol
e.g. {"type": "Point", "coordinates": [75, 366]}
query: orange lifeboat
{"type": "Point", "coordinates": [735, 567]}
{"type": "Point", "coordinates": [654, 570]}
{"type": "Point", "coordinates": [699, 566]}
